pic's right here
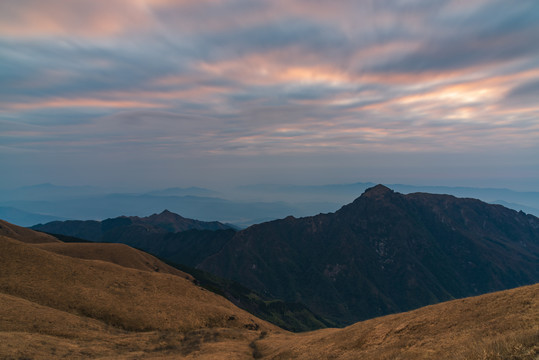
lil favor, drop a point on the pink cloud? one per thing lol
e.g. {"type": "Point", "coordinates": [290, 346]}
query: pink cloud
{"type": "Point", "coordinates": [80, 102]}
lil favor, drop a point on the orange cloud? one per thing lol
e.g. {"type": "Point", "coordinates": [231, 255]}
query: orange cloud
{"type": "Point", "coordinates": [80, 102]}
{"type": "Point", "coordinates": [73, 18]}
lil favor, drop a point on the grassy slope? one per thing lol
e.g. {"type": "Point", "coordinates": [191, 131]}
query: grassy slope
{"type": "Point", "coordinates": [501, 325]}
{"type": "Point", "coordinates": [53, 305]}
{"type": "Point", "coordinates": [123, 297]}
{"type": "Point", "coordinates": [24, 234]}
{"type": "Point", "coordinates": [119, 254]}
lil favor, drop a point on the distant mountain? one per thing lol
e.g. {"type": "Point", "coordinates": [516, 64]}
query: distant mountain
{"type": "Point", "coordinates": [518, 200]}
{"type": "Point", "coordinates": [203, 208]}
{"type": "Point", "coordinates": [518, 207]}
{"type": "Point", "coordinates": [116, 229]}
{"type": "Point", "coordinates": [384, 253]}
{"type": "Point", "coordinates": [25, 218]}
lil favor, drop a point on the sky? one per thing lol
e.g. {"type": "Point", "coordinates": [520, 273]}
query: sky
{"type": "Point", "coordinates": [162, 93]}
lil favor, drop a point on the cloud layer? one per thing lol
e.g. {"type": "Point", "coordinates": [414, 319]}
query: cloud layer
{"type": "Point", "coordinates": [228, 82]}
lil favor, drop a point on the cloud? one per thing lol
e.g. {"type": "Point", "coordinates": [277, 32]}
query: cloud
{"type": "Point", "coordinates": [524, 94]}
{"type": "Point", "coordinates": [160, 79]}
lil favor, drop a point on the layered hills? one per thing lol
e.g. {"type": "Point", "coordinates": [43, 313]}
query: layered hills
{"type": "Point", "coordinates": [185, 249]}
{"type": "Point", "coordinates": [59, 306]}
{"type": "Point", "coordinates": [384, 253]}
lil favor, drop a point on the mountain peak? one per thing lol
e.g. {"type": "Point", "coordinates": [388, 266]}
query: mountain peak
{"type": "Point", "coordinates": [376, 191]}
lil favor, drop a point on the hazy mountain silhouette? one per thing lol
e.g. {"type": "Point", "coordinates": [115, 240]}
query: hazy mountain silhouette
{"type": "Point", "coordinates": [527, 201]}
{"type": "Point", "coordinates": [116, 229]}
{"type": "Point", "coordinates": [25, 218]}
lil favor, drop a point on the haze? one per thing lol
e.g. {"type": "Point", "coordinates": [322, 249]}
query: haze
{"type": "Point", "coordinates": [156, 93]}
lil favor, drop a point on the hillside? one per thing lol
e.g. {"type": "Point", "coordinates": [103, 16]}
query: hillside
{"type": "Point", "coordinates": [119, 254]}
{"type": "Point", "coordinates": [384, 253]}
{"type": "Point", "coordinates": [24, 234]}
{"type": "Point", "coordinates": [54, 303]}
{"type": "Point", "coordinates": [502, 325]}
{"type": "Point", "coordinates": [190, 247]}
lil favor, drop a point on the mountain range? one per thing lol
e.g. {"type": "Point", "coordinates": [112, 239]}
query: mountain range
{"type": "Point", "coordinates": [242, 206]}
{"type": "Point", "coordinates": [384, 253]}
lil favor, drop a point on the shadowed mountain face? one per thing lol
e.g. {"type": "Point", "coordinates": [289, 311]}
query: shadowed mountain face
{"type": "Point", "coordinates": [384, 253]}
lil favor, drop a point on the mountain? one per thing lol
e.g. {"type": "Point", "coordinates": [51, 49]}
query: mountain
{"type": "Point", "coordinates": [172, 222]}
{"type": "Point", "coordinates": [25, 218]}
{"type": "Point", "coordinates": [384, 253]}
{"type": "Point", "coordinates": [527, 201]}
{"type": "Point", "coordinates": [58, 306]}
{"type": "Point", "coordinates": [113, 230]}
{"type": "Point", "coordinates": [112, 205]}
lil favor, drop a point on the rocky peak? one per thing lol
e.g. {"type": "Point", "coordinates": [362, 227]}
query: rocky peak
{"type": "Point", "coordinates": [376, 192]}
{"type": "Point", "coordinates": [165, 215]}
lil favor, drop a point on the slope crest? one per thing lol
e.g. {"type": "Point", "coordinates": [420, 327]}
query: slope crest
{"type": "Point", "coordinates": [119, 254]}
{"type": "Point", "coordinates": [24, 234]}
{"type": "Point", "coordinates": [122, 297]}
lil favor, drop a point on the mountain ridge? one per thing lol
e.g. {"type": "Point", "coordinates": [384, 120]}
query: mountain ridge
{"type": "Point", "coordinates": [162, 223]}
{"type": "Point", "coordinates": [386, 252]}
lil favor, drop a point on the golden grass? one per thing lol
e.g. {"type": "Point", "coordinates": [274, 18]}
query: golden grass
{"type": "Point", "coordinates": [123, 297]}
{"type": "Point", "coordinates": [118, 254]}
{"type": "Point", "coordinates": [24, 234]}
{"type": "Point", "coordinates": [83, 304]}
{"type": "Point", "coordinates": [453, 330]}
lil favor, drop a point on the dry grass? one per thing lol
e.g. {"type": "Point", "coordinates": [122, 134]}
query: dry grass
{"type": "Point", "coordinates": [518, 344]}
{"type": "Point", "coordinates": [65, 307]}
{"type": "Point", "coordinates": [504, 323]}
{"type": "Point", "coordinates": [54, 306]}
{"type": "Point", "coordinates": [24, 234]}
{"type": "Point", "coordinates": [119, 296]}
{"type": "Point", "coordinates": [118, 254]}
